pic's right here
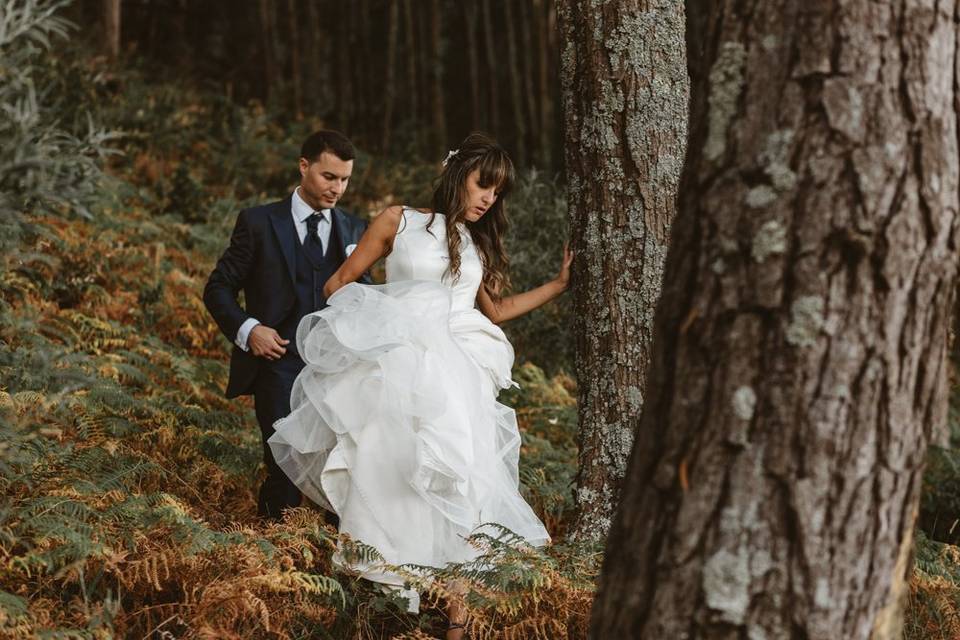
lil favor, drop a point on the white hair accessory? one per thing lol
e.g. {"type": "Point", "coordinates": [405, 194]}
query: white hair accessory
{"type": "Point", "coordinates": [450, 154]}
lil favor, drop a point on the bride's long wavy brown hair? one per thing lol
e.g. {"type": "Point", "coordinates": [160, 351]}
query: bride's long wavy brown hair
{"type": "Point", "coordinates": [479, 152]}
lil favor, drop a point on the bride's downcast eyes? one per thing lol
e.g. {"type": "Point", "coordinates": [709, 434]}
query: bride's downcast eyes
{"type": "Point", "coordinates": [496, 192]}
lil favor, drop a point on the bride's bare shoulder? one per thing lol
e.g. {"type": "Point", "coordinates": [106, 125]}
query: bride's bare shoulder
{"type": "Point", "coordinates": [424, 210]}
{"type": "Point", "coordinates": [396, 211]}
{"type": "Point", "coordinates": [388, 219]}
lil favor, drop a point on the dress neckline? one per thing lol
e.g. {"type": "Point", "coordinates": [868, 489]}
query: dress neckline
{"type": "Point", "coordinates": [417, 211]}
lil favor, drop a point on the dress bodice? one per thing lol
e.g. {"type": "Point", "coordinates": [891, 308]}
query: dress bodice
{"type": "Point", "coordinates": [421, 254]}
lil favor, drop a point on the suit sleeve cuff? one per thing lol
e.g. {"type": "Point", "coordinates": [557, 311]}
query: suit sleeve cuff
{"type": "Point", "coordinates": [244, 333]}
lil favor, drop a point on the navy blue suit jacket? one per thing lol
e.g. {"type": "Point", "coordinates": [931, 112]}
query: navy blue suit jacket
{"type": "Point", "coordinates": [260, 262]}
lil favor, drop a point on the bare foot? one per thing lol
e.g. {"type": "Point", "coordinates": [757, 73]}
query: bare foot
{"type": "Point", "coordinates": [455, 631]}
{"type": "Point", "coordinates": [456, 611]}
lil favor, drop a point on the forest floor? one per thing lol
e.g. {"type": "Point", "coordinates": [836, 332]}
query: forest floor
{"type": "Point", "coordinates": [128, 480]}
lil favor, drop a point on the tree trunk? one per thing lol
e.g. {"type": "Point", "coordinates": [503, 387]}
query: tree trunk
{"type": "Point", "coordinates": [799, 359]}
{"type": "Point", "coordinates": [366, 83]}
{"type": "Point", "coordinates": [515, 74]}
{"type": "Point", "coordinates": [316, 66]}
{"type": "Point", "coordinates": [413, 85]}
{"type": "Point", "coordinates": [527, 52]}
{"type": "Point", "coordinates": [439, 113]}
{"type": "Point", "coordinates": [111, 28]}
{"type": "Point", "coordinates": [470, 11]}
{"type": "Point", "coordinates": [390, 90]}
{"type": "Point", "coordinates": [269, 53]}
{"type": "Point", "coordinates": [493, 77]}
{"type": "Point", "coordinates": [346, 72]}
{"type": "Point", "coordinates": [542, 12]}
{"type": "Point", "coordinates": [293, 26]}
{"type": "Point", "coordinates": [625, 94]}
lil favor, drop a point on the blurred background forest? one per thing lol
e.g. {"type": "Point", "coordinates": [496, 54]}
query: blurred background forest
{"type": "Point", "coordinates": [126, 478]}
{"type": "Point", "coordinates": [403, 78]}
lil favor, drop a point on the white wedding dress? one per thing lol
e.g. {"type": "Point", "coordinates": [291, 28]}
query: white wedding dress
{"type": "Point", "coordinates": [395, 425]}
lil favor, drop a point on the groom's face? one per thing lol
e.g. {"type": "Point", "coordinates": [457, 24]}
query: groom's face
{"type": "Point", "coordinates": [323, 181]}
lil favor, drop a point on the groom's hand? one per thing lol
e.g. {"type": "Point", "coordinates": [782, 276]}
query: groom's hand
{"type": "Point", "coordinates": [267, 343]}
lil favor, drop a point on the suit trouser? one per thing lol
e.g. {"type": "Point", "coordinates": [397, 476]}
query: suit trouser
{"type": "Point", "coordinates": [271, 398]}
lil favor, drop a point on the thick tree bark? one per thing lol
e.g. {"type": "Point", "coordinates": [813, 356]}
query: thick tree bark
{"type": "Point", "coordinates": [625, 93]}
{"type": "Point", "coordinates": [943, 439]}
{"type": "Point", "coordinates": [799, 358]}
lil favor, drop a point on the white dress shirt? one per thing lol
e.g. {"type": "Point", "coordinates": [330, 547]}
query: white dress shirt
{"type": "Point", "coordinates": [300, 211]}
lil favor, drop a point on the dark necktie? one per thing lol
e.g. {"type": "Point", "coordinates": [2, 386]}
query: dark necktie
{"type": "Point", "coordinates": [312, 244]}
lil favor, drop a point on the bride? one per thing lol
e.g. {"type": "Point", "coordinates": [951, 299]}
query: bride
{"type": "Point", "coordinates": [395, 426]}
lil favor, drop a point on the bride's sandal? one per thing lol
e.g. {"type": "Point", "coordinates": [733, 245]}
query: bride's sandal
{"type": "Point", "coordinates": [458, 625]}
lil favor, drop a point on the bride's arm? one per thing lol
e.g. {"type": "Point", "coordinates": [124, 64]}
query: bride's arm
{"type": "Point", "coordinates": [515, 306]}
{"type": "Point", "coordinates": [374, 244]}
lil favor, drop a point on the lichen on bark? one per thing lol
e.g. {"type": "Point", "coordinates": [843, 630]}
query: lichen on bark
{"type": "Point", "coordinates": [625, 93]}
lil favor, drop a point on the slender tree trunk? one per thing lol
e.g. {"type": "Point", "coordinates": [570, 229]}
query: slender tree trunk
{"type": "Point", "coordinates": [364, 81]}
{"type": "Point", "coordinates": [437, 66]}
{"type": "Point", "coordinates": [390, 91]}
{"type": "Point", "coordinates": [515, 74]}
{"type": "Point", "coordinates": [152, 29]}
{"type": "Point", "coordinates": [545, 126]}
{"type": "Point", "coordinates": [413, 85]}
{"type": "Point", "coordinates": [111, 28]}
{"type": "Point", "coordinates": [269, 53]}
{"type": "Point", "coordinates": [799, 360]}
{"type": "Point", "coordinates": [425, 75]}
{"type": "Point", "coordinates": [293, 26]}
{"type": "Point", "coordinates": [477, 115]}
{"type": "Point", "coordinates": [625, 93]}
{"type": "Point", "coordinates": [346, 72]}
{"type": "Point", "coordinates": [315, 67]}
{"type": "Point", "coordinates": [553, 41]}
{"type": "Point", "coordinates": [527, 51]}
{"type": "Point", "coordinates": [493, 77]}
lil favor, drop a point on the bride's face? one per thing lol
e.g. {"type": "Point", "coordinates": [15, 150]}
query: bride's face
{"type": "Point", "coordinates": [479, 198]}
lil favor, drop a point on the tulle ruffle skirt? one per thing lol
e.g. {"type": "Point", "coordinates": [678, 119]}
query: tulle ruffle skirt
{"type": "Point", "coordinates": [395, 425]}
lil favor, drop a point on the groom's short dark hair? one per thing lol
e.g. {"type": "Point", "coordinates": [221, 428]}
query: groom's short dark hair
{"type": "Point", "coordinates": [327, 140]}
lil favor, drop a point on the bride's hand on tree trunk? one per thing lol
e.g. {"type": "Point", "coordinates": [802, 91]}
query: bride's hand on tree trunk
{"type": "Point", "coordinates": [564, 276]}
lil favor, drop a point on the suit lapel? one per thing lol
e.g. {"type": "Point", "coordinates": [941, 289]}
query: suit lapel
{"type": "Point", "coordinates": [340, 224]}
{"type": "Point", "coordinates": [281, 218]}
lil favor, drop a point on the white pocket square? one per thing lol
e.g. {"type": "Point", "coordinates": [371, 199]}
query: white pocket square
{"type": "Point", "coordinates": [349, 249]}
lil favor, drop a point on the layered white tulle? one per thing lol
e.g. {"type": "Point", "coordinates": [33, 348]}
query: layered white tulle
{"type": "Point", "coordinates": [395, 425]}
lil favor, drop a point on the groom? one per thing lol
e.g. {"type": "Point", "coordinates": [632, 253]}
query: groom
{"type": "Point", "coordinates": [280, 256]}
